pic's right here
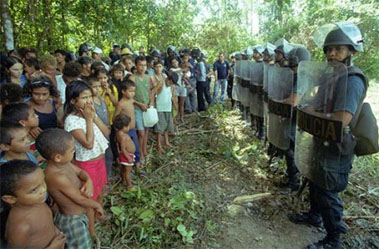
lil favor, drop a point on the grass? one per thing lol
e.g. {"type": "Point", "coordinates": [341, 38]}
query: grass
{"type": "Point", "coordinates": [180, 203]}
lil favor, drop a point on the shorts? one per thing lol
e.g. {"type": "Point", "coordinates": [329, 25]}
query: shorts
{"type": "Point", "coordinates": [97, 171]}
{"type": "Point", "coordinates": [181, 91]}
{"type": "Point", "coordinates": [75, 229]}
{"type": "Point", "coordinates": [165, 122]}
{"type": "Point", "coordinates": [139, 119]}
{"type": "Point", "coordinates": [133, 135]}
{"type": "Point", "coordinates": [124, 161]}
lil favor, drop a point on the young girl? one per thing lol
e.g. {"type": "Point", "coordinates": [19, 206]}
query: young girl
{"type": "Point", "coordinates": [14, 68]}
{"type": "Point", "coordinates": [90, 142]}
{"type": "Point", "coordinates": [102, 112]}
{"type": "Point", "coordinates": [180, 88]}
{"type": "Point", "coordinates": [165, 99]}
{"type": "Point", "coordinates": [126, 147]}
{"type": "Point", "coordinates": [108, 91]}
{"type": "Point", "coordinates": [41, 90]}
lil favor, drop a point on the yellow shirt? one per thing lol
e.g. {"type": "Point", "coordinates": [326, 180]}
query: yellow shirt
{"type": "Point", "coordinates": [108, 101]}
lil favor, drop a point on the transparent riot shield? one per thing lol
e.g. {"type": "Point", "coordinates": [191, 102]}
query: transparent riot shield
{"type": "Point", "coordinates": [321, 95]}
{"type": "Point", "coordinates": [244, 83]}
{"type": "Point", "coordinates": [265, 93]}
{"type": "Point", "coordinates": [237, 77]}
{"type": "Point", "coordinates": [280, 83]}
{"type": "Point", "coordinates": [256, 89]}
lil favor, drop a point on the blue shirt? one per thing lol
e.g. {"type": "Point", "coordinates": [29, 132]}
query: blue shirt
{"type": "Point", "coordinates": [221, 69]}
{"type": "Point", "coordinates": [201, 72]}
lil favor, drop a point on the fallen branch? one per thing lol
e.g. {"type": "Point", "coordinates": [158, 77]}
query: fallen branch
{"type": "Point", "coordinates": [192, 132]}
{"type": "Point", "coordinates": [249, 198]}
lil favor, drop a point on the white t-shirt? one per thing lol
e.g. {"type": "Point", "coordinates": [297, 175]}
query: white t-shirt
{"type": "Point", "coordinates": [61, 87]}
{"type": "Point", "coordinates": [100, 143]}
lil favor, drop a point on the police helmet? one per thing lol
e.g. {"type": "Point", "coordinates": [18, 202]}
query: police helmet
{"type": "Point", "coordinates": [298, 54]}
{"type": "Point", "coordinates": [340, 33]}
{"type": "Point", "coordinates": [171, 48]}
{"type": "Point", "coordinates": [84, 48]}
{"type": "Point", "coordinates": [258, 48]}
{"type": "Point", "coordinates": [195, 53]}
{"type": "Point", "coordinates": [283, 47]}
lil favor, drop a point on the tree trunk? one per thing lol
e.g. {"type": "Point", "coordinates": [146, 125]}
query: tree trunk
{"type": "Point", "coordinates": [6, 21]}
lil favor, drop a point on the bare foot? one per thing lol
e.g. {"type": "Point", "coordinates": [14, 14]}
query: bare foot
{"type": "Point", "coordinates": [130, 186]}
{"type": "Point", "coordinates": [161, 150]}
{"type": "Point", "coordinates": [169, 145]}
{"type": "Point", "coordinates": [145, 153]}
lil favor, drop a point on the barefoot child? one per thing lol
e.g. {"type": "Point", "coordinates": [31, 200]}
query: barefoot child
{"type": "Point", "coordinates": [165, 99]}
{"type": "Point", "coordinates": [126, 106]}
{"type": "Point", "coordinates": [70, 187]}
{"type": "Point", "coordinates": [90, 143]}
{"type": "Point", "coordinates": [30, 221]}
{"type": "Point", "coordinates": [142, 101]}
{"type": "Point", "coordinates": [127, 148]}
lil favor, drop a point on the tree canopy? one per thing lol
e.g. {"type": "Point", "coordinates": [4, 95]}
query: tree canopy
{"type": "Point", "coordinates": [212, 25]}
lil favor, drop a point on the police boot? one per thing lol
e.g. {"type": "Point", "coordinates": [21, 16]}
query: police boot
{"type": "Point", "coordinates": [306, 219]}
{"type": "Point", "coordinates": [329, 242]}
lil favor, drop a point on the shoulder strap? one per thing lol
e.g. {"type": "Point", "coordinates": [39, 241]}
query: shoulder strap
{"type": "Point", "coordinates": [356, 71]}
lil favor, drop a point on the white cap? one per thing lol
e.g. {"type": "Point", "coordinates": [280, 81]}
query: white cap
{"type": "Point", "coordinates": [97, 50]}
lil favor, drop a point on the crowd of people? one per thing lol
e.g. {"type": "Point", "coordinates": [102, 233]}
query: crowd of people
{"type": "Point", "coordinates": [67, 123]}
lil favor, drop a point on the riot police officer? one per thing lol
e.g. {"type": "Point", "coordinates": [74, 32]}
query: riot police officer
{"type": "Point", "coordinates": [323, 157]}
{"type": "Point", "coordinates": [295, 56]}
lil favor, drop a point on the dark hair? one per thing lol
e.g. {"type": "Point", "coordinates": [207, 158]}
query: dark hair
{"type": "Point", "coordinates": [73, 90]}
{"type": "Point", "coordinates": [120, 121]}
{"type": "Point", "coordinates": [32, 62]}
{"type": "Point", "coordinates": [139, 58]}
{"type": "Point", "coordinates": [53, 141]}
{"type": "Point", "coordinates": [158, 62]}
{"type": "Point", "coordinates": [11, 172]}
{"type": "Point", "coordinates": [173, 77]}
{"type": "Point", "coordinates": [10, 61]}
{"type": "Point", "coordinates": [72, 69]}
{"type": "Point", "coordinates": [91, 79]}
{"type": "Point", "coordinates": [39, 82]}
{"type": "Point", "coordinates": [101, 70]}
{"type": "Point", "coordinates": [126, 84]}
{"type": "Point", "coordinates": [10, 93]}
{"type": "Point", "coordinates": [97, 65]}
{"type": "Point", "coordinates": [149, 58]}
{"type": "Point", "coordinates": [173, 58]}
{"type": "Point", "coordinates": [84, 60]}
{"type": "Point", "coordinates": [15, 112]}
{"type": "Point", "coordinates": [60, 51]}
{"type": "Point", "coordinates": [7, 130]}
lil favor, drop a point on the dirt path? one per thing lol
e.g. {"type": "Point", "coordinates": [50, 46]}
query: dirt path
{"type": "Point", "coordinates": [228, 172]}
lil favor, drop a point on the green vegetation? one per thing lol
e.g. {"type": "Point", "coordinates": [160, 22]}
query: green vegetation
{"type": "Point", "coordinates": [213, 25]}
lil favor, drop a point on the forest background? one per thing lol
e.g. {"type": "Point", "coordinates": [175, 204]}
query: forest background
{"type": "Point", "coordinates": [212, 25]}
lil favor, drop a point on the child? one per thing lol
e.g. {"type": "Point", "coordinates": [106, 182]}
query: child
{"type": "Point", "coordinates": [127, 147]}
{"type": "Point", "coordinates": [14, 143]}
{"type": "Point", "coordinates": [127, 62]}
{"type": "Point", "coordinates": [31, 67]}
{"type": "Point", "coordinates": [30, 221]}
{"type": "Point", "coordinates": [165, 98]}
{"type": "Point", "coordinates": [117, 74]}
{"type": "Point", "coordinates": [10, 93]}
{"type": "Point", "coordinates": [41, 90]}
{"type": "Point", "coordinates": [181, 89]}
{"type": "Point", "coordinates": [108, 91]}
{"type": "Point", "coordinates": [142, 101]}
{"type": "Point", "coordinates": [157, 77]}
{"type": "Point", "coordinates": [90, 143]}
{"type": "Point", "coordinates": [102, 112]}
{"type": "Point", "coordinates": [70, 187]}
{"type": "Point", "coordinates": [126, 106]}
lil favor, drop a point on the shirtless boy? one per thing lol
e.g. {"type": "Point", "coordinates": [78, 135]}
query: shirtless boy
{"type": "Point", "coordinates": [30, 221]}
{"type": "Point", "coordinates": [126, 106]}
{"type": "Point", "coordinates": [126, 146]}
{"type": "Point", "coordinates": [70, 187]}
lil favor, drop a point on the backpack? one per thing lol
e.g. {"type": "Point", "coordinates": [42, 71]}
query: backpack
{"type": "Point", "coordinates": [363, 124]}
